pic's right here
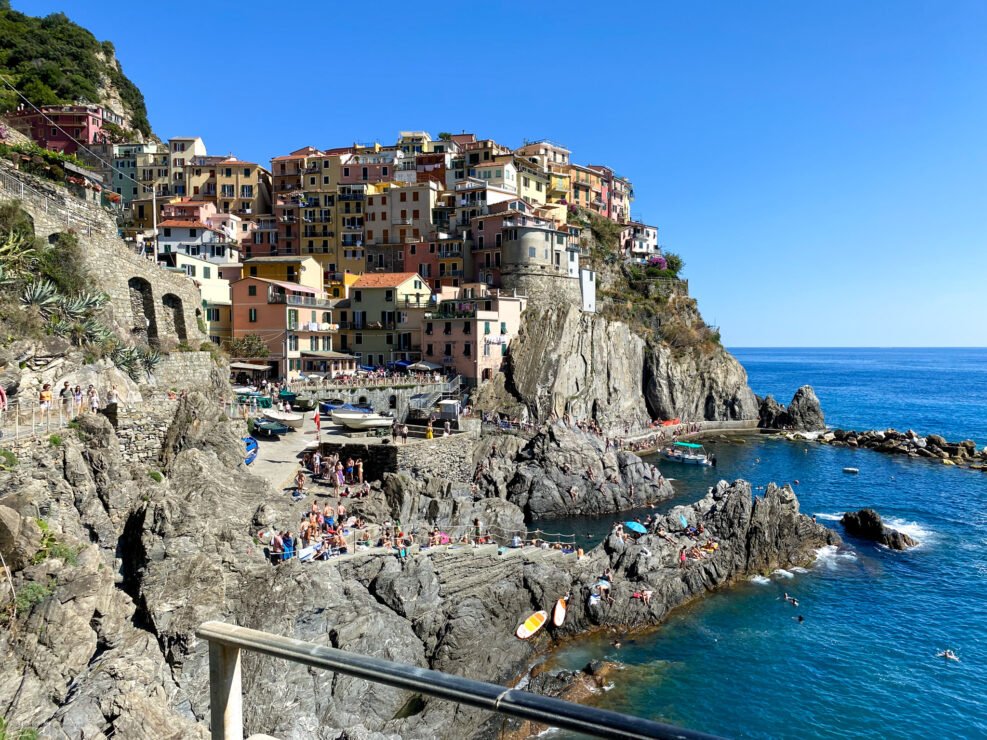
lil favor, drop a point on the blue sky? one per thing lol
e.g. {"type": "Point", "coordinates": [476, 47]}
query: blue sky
{"type": "Point", "coordinates": [822, 168]}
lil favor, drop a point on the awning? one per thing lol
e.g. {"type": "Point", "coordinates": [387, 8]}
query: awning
{"type": "Point", "coordinates": [424, 365]}
{"type": "Point", "coordinates": [368, 368]}
{"type": "Point", "coordinates": [248, 366]}
{"type": "Point", "coordinates": [689, 445]}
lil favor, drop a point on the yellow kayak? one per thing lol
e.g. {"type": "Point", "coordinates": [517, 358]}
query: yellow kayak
{"type": "Point", "coordinates": [532, 624]}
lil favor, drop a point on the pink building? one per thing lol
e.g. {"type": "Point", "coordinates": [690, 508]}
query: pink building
{"type": "Point", "coordinates": [58, 127]}
{"type": "Point", "coordinates": [470, 331]}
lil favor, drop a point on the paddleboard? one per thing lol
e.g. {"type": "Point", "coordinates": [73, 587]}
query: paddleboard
{"type": "Point", "coordinates": [558, 616]}
{"type": "Point", "coordinates": [532, 624]}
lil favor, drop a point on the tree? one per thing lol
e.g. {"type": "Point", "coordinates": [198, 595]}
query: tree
{"type": "Point", "coordinates": [674, 262]}
{"type": "Point", "coordinates": [249, 346]}
{"type": "Point", "coordinates": [445, 136]}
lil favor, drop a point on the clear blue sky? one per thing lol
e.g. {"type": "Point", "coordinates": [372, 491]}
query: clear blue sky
{"type": "Point", "coordinates": [822, 168]}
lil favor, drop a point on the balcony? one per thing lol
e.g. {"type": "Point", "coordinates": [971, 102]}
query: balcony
{"type": "Point", "coordinates": [350, 196]}
{"type": "Point", "coordinates": [353, 228]}
{"type": "Point", "coordinates": [401, 221]}
{"type": "Point", "coordinates": [370, 325]}
{"type": "Point", "coordinates": [298, 300]}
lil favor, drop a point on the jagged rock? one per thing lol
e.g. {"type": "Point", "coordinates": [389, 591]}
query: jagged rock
{"type": "Point", "coordinates": [20, 538]}
{"type": "Point", "coordinates": [867, 525]}
{"type": "Point", "coordinates": [803, 414]}
{"type": "Point", "coordinates": [561, 472]}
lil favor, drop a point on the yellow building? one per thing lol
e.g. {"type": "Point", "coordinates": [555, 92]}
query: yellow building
{"type": "Point", "coordinates": [532, 181]}
{"type": "Point", "coordinates": [298, 269]}
{"type": "Point", "coordinates": [382, 320]}
{"type": "Point", "coordinates": [586, 188]}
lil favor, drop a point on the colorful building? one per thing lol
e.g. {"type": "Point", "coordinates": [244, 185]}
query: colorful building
{"type": "Point", "coordinates": [59, 127]}
{"type": "Point", "coordinates": [382, 319]}
{"type": "Point", "coordinates": [470, 330]}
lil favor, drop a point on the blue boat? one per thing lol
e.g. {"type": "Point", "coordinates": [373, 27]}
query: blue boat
{"type": "Point", "coordinates": [252, 447]}
{"type": "Point", "coordinates": [327, 407]}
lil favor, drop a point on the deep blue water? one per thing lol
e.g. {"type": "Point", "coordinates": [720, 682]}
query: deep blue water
{"type": "Point", "coordinates": [863, 663]}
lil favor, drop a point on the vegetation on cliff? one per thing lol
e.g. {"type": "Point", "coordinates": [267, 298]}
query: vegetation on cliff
{"type": "Point", "coordinates": [52, 60]}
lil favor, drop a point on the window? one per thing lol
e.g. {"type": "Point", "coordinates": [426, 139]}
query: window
{"type": "Point", "coordinates": [414, 196]}
{"type": "Point", "coordinates": [503, 327]}
{"type": "Point", "coordinates": [251, 290]}
{"type": "Point", "coordinates": [428, 328]}
{"type": "Point", "coordinates": [428, 350]}
{"type": "Point", "coordinates": [467, 349]}
{"type": "Point", "coordinates": [253, 271]}
{"type": "Point", "coordinates": [448, 351]}
{"type": "Point", "coordinates": [252, 315]}
{"type": "Point", "coordinates": [358, 296]}
{"type": "Point", "coordinates": [448, 328]}
{"type": "Point", "coordinates": [346, 171]}
{"type": "Point", "coordinates": [486, 327]}
{"type": "Point", "coordinates": [416, 214]}
{"type": "Point", "coordinates": [384, 171]}
{"type": "Point", "coordinates": [388, 295]}
{"type": "Point", "coordinates": [532, 252]}
{"type": "Point", "coordinates": [206, 272]}
{"type": "Point", "coordinates": [167, 232]}
{"type": "Point", "coordinates": [357, 339]}
{"type": "Point", "coordinates": [190, 270]}
{"type": "Point", "coordinates": [467, 327]}
{"type": "Point", "coordinates": [403, 197]}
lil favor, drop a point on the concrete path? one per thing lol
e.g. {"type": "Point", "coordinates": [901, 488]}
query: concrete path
{"type": "Point", "coordinates": [278, 458]}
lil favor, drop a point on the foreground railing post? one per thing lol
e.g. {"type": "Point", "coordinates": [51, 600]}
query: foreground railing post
{"type": "Point", "coordinates": [225, 696]}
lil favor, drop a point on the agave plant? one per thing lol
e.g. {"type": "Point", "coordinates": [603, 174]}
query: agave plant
{"type": "Point", "coordinates": [19, 253]}
{"type": "Point", "coordinates": [6, 276]}
{"type": "Point", "coordinates": [150, 359]}
{"type": "Point", "coordinates": [128, 359]}
{"type": "Point", "coordinates": [42, 294]}
{"type": "Point", "coordinates": [73, 308]}
{"type": "Point", "coordinates": [61, 327]}
{"type": "Point", "coordinates": [94, 332]}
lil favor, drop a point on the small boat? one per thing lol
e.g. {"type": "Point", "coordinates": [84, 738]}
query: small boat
{"type": "Point", "coordinates": [558, 614]}
{"type": "Point", "coordinates": [303, 404]}
{"type": "Point", "coordinates": [327, 407]}
{"type": "Point", "coordinates": [851, 470]}
{"type": "Point", "coordinates": [271, 428]}
{"type": "Point", "coordinates": [287, 418]}
{"type": "Point", "coordinates": [532, 624]}
{"type": "Point", "coordinates": [688, 453]}
{"type": "Point", "coordinates": [361, 420]}
{"type": "Point", "coordinates": [251, 450]}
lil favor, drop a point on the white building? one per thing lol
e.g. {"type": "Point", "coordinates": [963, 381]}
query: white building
{"type": "Point", "coordinates": [196, 239]}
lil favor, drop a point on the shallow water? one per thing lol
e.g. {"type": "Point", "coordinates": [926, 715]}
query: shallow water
{"type": "Point", "coordinates": [863, 663]}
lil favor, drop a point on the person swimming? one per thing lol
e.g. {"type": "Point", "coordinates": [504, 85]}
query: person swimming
{"type": "Point", "coordinates": [948, 655]}
{"type": "Point", "coordinates": [791, 600]}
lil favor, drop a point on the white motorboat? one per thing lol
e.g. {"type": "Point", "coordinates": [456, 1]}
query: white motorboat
{"type": "Point", "coordinates": [287, 418]}
{"type": "Point", "coordinates": [688, 453]}
{"type": "Point", "coordinates": [356, 420]}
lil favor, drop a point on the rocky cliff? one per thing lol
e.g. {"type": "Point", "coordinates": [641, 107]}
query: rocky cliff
{"type": "Point", "coordinates": [113, 570]}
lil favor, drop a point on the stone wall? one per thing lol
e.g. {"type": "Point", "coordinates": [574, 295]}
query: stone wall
{"type": "Point", "coordinates": [449, 457]}
{"type": "Point", "coordinates": [380, 398]}
{"type": "Point", "coordinates": [147, 303]}
{"type": "Point", "coordinates": [543, 287]}
{"type": "Point", "coordinates": [181, 370]}
{"type": "Point", "coordinates": [377, 458]}
{"type": "Point", "coordinates": [142, 430]}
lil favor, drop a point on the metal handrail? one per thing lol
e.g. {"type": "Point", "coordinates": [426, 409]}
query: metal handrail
{"type": "Point", "coordinates": [226, 641]}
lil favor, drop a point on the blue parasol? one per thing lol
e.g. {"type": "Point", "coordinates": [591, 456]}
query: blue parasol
{"type": "Point", "coordinates": [635, 527]}
{"type": "Point", "coordinates": [685, 522]}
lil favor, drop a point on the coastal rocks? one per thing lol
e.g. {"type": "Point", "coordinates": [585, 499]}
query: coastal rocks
{"type": "Point", "coordinates": [932, 447]}
{"type": "Point", "coordinates": [697, 385]}
{"type": "Point", "coordinates": [803, 414]}
{"type": "Point", "coordinates": [866, 524]}
{"type": "Point", "coordinates": [565, 472]}
{"type": "Point", "coordinates": [565, 361]}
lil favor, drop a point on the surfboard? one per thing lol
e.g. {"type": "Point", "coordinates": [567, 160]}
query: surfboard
{"type": "Point", "coordinates": [558, 616]}
{"type": "Point", "coordinates": [532, 624]}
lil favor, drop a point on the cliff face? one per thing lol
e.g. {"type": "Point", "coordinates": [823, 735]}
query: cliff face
{"type": "Point", "coordinates": [565, 361]}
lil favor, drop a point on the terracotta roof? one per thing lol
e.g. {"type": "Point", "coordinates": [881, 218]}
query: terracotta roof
{"type": "Point", "coordinates": [385, 279]}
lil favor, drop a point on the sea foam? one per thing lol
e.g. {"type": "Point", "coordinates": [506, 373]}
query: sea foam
{"type": "Point", "coordinates": [782, 573]}
{"type": "Point", "coordinates": [760, 580]}
{"type": "Point", "coordinates": [913, 529]}
{"type": "Point", "coordinates": [830, 556]}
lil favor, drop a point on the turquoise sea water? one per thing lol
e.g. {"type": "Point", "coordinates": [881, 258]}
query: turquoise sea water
{"type": "Point", "coordinates": [863, 663]}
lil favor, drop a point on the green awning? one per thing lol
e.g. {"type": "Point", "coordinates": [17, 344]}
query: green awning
{"type": "Point", "coordinates": [688, 444]}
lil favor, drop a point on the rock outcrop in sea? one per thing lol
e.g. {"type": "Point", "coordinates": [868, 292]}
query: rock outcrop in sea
{"type": "Point", "coordinates": [803, 414]}
{"type": "Point", "coordinates": [867, 525]}
{"type": "Point", "coordinates": [931, 447]}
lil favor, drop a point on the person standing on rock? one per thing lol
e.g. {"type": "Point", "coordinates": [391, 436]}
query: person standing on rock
{"type": "Point", "coordinates": [93, 397]}
{"type": "Point", "coordinates": [44, 397]}
{"type": "Point", "coordinates": [404, 434]}
{"type": "Point", "coordinates": [65, 397]}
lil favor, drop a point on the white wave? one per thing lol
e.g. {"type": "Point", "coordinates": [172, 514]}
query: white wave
{"type": "Point", "coordinates": [782, 573]}
{"type": "Point", "coordinates": [913, 529]}
{"type": "Point", "coordinates": [829, 517]}
{"type": "Point", "coordinates": [760, 580]}
{"type": "Point", "coordinates": [830, 556]}
{"type": "Point", "coordinates": [799, 569]}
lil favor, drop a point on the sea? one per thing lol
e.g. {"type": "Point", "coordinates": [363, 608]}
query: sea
{"type": "Point", "coordinates": [737, 663]}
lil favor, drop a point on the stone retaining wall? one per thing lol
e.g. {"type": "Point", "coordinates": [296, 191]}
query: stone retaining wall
{"type": "Point", "coordinates": [449, 457]}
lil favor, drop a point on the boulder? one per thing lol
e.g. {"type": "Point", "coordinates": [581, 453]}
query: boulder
{"type": "Point", "coordinates": [803, 414]}
{"type": "Point", "coordinates": [866, 524]}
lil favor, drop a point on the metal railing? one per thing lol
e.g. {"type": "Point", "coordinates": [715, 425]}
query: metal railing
{"type": "Point", "coordinates": [50, 204]}
{"type": "Point", "coordinates": [226, 700]}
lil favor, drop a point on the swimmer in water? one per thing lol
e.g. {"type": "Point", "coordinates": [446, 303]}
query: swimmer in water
{"type": "Point", "coordinates": [800, 619]}
{"type": "Point", "coordinates": [616, 643]}
{"type": "Point", "coordinates": [948, 655]}
{"type": "Point", "coordinates": [791, 600]}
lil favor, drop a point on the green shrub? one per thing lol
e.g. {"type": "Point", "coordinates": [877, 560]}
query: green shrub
{"type": "Point", "coordinates": [8, 460]}
{"type": "Point", "coordinates": [32, 593]}
{"type": "Point", "coordinates": [155, 476]}
{"type": "Point", "coordinates": [55, 440]}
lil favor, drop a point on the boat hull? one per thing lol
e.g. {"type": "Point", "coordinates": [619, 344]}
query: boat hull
{"type": "Point", "coordinates": [294, 421]}
{"type": "Point", "coordinates": [686, 459]}
{"type": "Point", "coordinates": [354, 420]}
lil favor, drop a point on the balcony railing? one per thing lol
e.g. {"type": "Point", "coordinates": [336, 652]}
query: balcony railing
{"type": "Point", "coordinates": [350, 196]}
{"type": "Point", "coordinates": [401, 221]}
{"type": "Point", "coordinates": [298, 300]}
{"type": "Point", "coordinates": [226, 700]}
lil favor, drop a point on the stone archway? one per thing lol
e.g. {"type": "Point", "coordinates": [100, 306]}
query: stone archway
{"type": "Point", "coordinates": [175, 315]}
{"type": "Point", "coordinates": [142, 306]}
